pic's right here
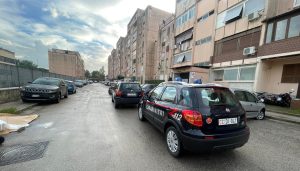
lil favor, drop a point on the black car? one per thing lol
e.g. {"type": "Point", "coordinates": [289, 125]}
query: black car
{"type": "Point", "coordinates": [45, 89]}
{"type": "Point", "coordinates": [126, 93]}
{"type": "Point", "coordinates": [71, 87]}
{"type": "Point", "coordinates": [198, 118]}
{"type": "Point", "coordinates": [148, 87]}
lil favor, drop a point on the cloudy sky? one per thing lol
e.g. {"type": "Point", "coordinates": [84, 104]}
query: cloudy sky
{"type": "Point", "coordinates": [31, 27]}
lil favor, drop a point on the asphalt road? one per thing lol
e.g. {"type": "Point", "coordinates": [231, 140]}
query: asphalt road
{"type": "Point", "coordinates": [85, 132]}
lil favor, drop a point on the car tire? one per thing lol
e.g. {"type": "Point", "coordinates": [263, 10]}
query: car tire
{"type": "Point", "coordinates": [1, 140]}
{"type": "Point", "coordinates": [58, 98]}
{"type": "Point", "coordinates": [261, 115]}
{"type": "Point", "coordinates": [173, 142]}
{"type": "Point", "coordinates": [140, 113]}
{"type": "Point", "coordinates": [116, 105]}
{"type": "Point", "coordinates": [66, 96]}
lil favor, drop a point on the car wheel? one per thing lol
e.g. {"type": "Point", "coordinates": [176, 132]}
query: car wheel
{"type": "Point", "coordinates": [1, 140]}
{"type": "Point", "coordinates": [261, 115]}
{"type": "Point", "coordinates": [140, 113]}
{"type": "Point", "coordinates": [58, 98]}
{"type": "Point", "coordinates": [173, 142]}
{"type": "Point", "coordinates": [66, 96]}
{"type": "Point", "coordinates": [112, 99]}
{"type": "Point", "coordinates": [116, 105]}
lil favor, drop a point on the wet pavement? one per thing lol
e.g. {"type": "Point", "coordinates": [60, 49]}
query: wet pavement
{"type": "Point", "coordinates": [85, 132]}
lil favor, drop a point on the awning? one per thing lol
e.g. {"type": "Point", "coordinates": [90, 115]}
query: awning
{"type": "Point", "coordinates": [184, 36]}
{"type": "Point", "coordinates": [233, 14]}
{"type": "Point", "coordinates": [180, 59]}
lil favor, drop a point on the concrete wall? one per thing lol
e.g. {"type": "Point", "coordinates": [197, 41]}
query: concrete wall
{"type": "Point", "coordinates": [270, 74]}
{"type": "Point", "coordinates": [9, 94]}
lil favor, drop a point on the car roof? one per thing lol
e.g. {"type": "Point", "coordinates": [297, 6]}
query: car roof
{"type": "Point", "coordinates": [191, 85]}
{"type": "Point", "coordinates": [238, 89]}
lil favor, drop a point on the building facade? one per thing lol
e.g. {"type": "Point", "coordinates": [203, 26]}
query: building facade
{"type": "Point", "coordinates": [7, 57]}
{"type": "Point", "coordinates": [194, 35]}
{"type": "Point", "coordinates": [164, 50]}
{"type": "Point", "coordinates": [257, 45]}
{"type": "Point", "coordinates": [137, 49]}
{"type": "Point", "coordinates": [66, 62]}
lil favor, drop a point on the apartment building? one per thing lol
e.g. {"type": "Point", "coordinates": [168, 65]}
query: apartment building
{"type": "Point", "coordinates": [142, 32]}
{"type": "Point", "coordinates": [7, 57]}
{"type": "Point", "coordinates": [194, 35]}
{"type": "Point", "coordinates": [237, 36]}
{"type": "Point", "coordinates": [257, 45]}
{"type": "Point", "coordinates": [121, 45]}
{"type": "Point", "coordinates": [66, 62]}
{"type": "Point", "coordinates": [278, 63]}
{"type": "Point", "coordinates": [164, 49]}
{"type": "Point", "coordinates": [110, 71]}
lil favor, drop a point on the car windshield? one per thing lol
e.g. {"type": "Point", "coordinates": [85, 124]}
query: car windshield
{"type": "Point", "coordinates": [44, 81]}
{"type": "Point", "coordinates": [216, 97]}
{"type": "Point", "coordinates": [129, 86]}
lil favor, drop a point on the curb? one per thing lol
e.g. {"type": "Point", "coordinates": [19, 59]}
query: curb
{"type": "Point", "coordinates": [27, 107]}
{"type": "Point", "coordinates": [282, 119]}
{"type": "Point", "coordinates": [283, 113]}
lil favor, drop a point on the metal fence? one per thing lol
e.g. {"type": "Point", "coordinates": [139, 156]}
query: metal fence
{"type": "Point", "coordinates": [13, 76]}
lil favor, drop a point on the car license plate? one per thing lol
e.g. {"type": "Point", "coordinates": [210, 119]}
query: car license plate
{"type": "Point", "coordinates": [228, 121]}
{"type": "Point", "coordinates": [35, 95]}
{"type": "Point", "coordinates": [131, 94]}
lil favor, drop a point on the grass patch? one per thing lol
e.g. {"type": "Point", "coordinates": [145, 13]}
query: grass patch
{"type": "Point", "coordinates": [11, 110]}
{"type": "Point", "coordinates": [284, 110]}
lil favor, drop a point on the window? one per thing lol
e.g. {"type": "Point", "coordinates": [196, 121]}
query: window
{"type": "Point", "coordinates": [234, 14]}
{"type": "Point", "coordinates": [185, 98]}
{"type": "Point", "coordinates": [216, 97]}
{"type": "Point", "coordinates": [247, 73]}
{"type": "Point", "coordinates": [250, 97]}
{"type": "Point", "coordinates": [280, 30]}
{"type": "Point", "coordinates": [221, 20]}
{"type": "Point", "coordinates": [156, 92]}
{"type": "Point", "coordinates": [180, 59]}
{"type": "Point", "coordinates": [169, 95]}
{"type": "Point", "coordinates": [230, 74]}
{"type": "Point", "coordinates": [203, 41]}
{"type": "Point", "coordinates": [296, 3]}
{"type": "Point", "coordinates": [269, 33]}
{"type": "Point", "coordinates": [203, 17]}
{"type": "Point", "coordinates": [291, 73]}
{"type": "Point", "coordinates": [218, 75]}
{"type": "Point", "coordinates": [254, 6]}
{"type": "Point", "coordinates": [240, 96]}
{"type": "Point", "coordinates": [294, 28]}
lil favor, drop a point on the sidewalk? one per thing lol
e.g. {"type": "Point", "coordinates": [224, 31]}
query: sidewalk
{"type": "Point", "coordinates": [283, 117]}
{"type": "Point", "coordinates": [19, 105]}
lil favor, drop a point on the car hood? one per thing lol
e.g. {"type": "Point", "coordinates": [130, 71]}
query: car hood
{"type": "Point", "coordinates": [42, 86]}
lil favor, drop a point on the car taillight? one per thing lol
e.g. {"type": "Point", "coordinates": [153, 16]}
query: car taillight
{"type": "Point", "coordinates": [118, 93]}
{"type": "Point", "coordinates": [193, 117]}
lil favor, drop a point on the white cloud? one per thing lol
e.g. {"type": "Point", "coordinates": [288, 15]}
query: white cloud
{"type": "Point", "coordinates": [91, 27]}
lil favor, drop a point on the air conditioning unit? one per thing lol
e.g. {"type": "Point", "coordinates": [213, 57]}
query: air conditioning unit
{"type": "Point", "coordinates": [253, 16]}
{"type": "Point", "coordinates": [249, 51]}
{"type": "Point", "coordinates": [175, 46]}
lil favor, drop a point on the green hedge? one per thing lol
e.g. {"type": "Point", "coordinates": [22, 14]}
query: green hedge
{"type": "Point", "coordinates": [153, 81]}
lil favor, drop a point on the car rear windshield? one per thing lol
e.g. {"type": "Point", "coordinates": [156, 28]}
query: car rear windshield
{"type": "Point", "coordinates": [215, 96]}
{"type": "Point", "coordinates": [46, 81]}
{"type": "Point", "coordinates": [130, 86]}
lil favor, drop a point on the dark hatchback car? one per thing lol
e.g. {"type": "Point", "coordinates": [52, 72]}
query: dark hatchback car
{"type": "Point", "coordinates": [126, 93]}
{"type": "Point", "coordinates": [45, 89]}
{"type": "Point", "coordinates": [71, 87]}
{"type": "Point", "coordinates": [148, 87]}
{"type": "Point", "coordinates": [198, 118]}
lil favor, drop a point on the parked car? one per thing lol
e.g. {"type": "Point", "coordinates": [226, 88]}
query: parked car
{"type": "Point", "coordinates": [44, 89]}
{"type": "Point", "coordinates": [254, 107]}
{"type": "Point", "coordinates": [126, 93]}
{"type": "Point", "coordinates": [112, 87]}
{"type": "Point", "coordinates": [195, 117]}
{"type": "Point", "coordinates": [147, 87]}
{"type": "Point", "coordinates": [71, 87]}
{"type": "Point", "coordinates": [78, 83]}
